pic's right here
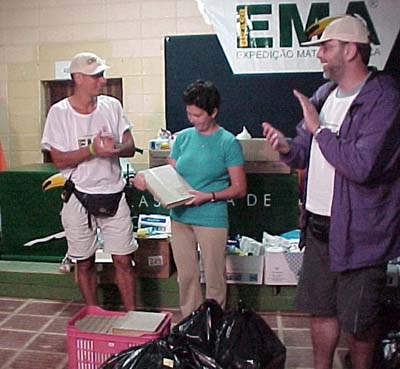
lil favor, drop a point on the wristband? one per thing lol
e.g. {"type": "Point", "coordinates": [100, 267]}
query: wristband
{"type": "Point", "coordinates": [92, 151]}
{"type": "Point", "coordinates": [213, 199]}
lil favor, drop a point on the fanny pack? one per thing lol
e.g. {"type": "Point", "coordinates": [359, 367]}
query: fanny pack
{"type": "Point", "coordinates": [319, 226]}
{"type": "Point", "coordinates": [99, 205]}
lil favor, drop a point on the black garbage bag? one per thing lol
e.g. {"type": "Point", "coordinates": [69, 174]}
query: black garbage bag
{"type": "Point", "coordinates": [200, 327]}
{"type": "Point", "coordinates": [245, 341]}
{"type": "Point", "coordinates": [171, 351]}
{"type": "Point", "coordinates": [190, 356]}
{"type": "Point", "coordinates": [155, 354]}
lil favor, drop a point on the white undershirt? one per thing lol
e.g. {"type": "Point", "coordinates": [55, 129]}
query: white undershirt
{"type": "Point", "coordinates": [321, 173]}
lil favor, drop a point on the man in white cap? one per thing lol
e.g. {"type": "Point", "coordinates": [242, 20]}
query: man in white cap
{"type": "Point", "coordinates": [86, 134]}
{"type": "Point", "coordinates": [348, 144]}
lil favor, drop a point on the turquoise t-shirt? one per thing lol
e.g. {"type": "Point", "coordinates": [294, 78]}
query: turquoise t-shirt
{"type": "Point", "coordinates": [203, 160]}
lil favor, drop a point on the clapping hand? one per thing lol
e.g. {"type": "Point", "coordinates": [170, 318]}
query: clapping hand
{"type": "Point", "coordinates": [311, 116]}
{"type": "Point", "coordinates": [104, 145]}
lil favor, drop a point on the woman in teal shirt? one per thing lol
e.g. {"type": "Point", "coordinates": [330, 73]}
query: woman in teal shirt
{"type": "Point", "coordinates": [210, 159]}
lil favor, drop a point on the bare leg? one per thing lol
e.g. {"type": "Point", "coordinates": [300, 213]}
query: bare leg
{"type": "Point", "coordinates": [86, 275]}
{"type": "Point", "coordinates": [362, 348]}
{"type": "Point", "coordinates": [125, 277]}
{"type": "Point", "coordinates": [325, 334]}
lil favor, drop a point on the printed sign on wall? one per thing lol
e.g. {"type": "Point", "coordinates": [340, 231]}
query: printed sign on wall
{"type": "Point", "coordinates": [260, 36]}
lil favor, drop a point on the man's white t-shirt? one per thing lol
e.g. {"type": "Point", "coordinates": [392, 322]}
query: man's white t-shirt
{"type": "Point", "coordinates": [68, 130]}
{"type": "Point", "coordinates": [321, 173]}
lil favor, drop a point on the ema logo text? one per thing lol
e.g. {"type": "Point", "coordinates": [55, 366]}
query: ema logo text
{"type": "Point", "coordinates": [263, 25]}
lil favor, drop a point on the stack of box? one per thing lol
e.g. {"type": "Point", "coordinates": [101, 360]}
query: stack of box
{"type": "Point", "coordinates": [158, 157]}
{"type": "Point", "coordinates": [153, 258]}
{"type": "Point", "coordinates": [282, 267]}
{"type": "Point", "coordinates": [247, 269]}
{"type": "Point", "coordinates": [260, 157]}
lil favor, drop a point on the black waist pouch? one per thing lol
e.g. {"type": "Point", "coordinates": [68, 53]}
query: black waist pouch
{"type": "Point", "coordinates": [319, 226]}
{"type": "Point", "coordinates": [99, 205]}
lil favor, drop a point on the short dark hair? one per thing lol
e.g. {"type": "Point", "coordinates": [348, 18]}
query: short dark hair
{"type": "Point", "coordinates": [365, 52]}
{"type": "Point", "coordinates": [203, 94]}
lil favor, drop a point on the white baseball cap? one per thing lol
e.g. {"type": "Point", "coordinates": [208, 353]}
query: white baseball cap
{"type": "Point", "coordinates": [347, 28]}
{"type": "Point", "coordinates": [87, 63]}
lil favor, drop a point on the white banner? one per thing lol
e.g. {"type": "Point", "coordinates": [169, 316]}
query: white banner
{"type": "Point", "coordinates": [260, 36]}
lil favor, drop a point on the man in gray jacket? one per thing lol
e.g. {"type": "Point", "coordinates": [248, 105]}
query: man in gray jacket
{"type": "Point", "coordinates": [348, 143]}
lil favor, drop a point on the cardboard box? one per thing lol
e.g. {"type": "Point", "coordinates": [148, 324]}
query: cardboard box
{"type": "Point", "coordinates": [167, 186]}
{"type": "Point", "coordinates": [282, 268]}
{"type": "Point", "coordinates": [260, 157]}
{"type": "Point", "coordinates": [153, 258]}
{"type": "Point", "coordinates": [266, 167]}
{"type": "Point", "coordinates": [159, 222]}
{"type": "Point", "coordinates": [244, 269]}
{"type": "Point", "coordinates": [158, 157]}
{"type": "Point", "coordinates": [241, 269]}
{"type": "Point", "coordinates": [258, 149]}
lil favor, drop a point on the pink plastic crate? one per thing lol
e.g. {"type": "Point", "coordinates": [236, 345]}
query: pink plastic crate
{"type": "Point", "coordinates": [88, 350]}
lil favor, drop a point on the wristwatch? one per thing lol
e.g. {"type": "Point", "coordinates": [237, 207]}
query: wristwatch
{"type": "Point", "coordinates": [213, 197]}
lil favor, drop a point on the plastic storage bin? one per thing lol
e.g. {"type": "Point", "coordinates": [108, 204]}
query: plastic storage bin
{"type": "Point", "coordinates": [88, 350]}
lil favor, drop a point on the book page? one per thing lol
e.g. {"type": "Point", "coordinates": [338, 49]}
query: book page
{"type": "Point", "coordinates": [138, 321]}
{"type": "Point", "coordinates": [132, 323]}
{"type": "Point", "coordinates": [167, 186]}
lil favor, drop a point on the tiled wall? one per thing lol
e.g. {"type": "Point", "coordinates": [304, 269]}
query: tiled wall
{"type": "Point", "coordinates": [34, 34]}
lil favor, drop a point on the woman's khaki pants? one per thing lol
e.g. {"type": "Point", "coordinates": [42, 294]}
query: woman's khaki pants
{"type": "Point", "coordinates": [212, 243]}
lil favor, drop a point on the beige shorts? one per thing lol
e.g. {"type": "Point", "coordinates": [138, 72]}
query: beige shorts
{"type": "Point", "coordinates": [117, 231]}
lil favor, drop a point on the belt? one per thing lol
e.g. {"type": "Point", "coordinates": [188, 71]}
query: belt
{"type": "Point", "coordinates": [322, 219]}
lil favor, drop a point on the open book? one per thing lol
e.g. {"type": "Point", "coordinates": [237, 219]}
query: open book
{"type": "Point", "coordinates": [167, 186]}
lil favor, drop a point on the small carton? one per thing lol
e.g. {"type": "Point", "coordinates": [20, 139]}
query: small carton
{"type": "Point", "coordinates": [241, 269]}
{"type": "Point", "coordinates": [282, 267]}
{"type": "Point", "coordinates": [153, 258]}
{"type": "Point", "coordinates": [260, 157]}
{"type": "Point", "coordinates": [244, 269]}
{"type": "Point", "coordinates": [266, 167]}
{"type": "Point", "coordinates": [158, 157]}
{"type": "Point", "coordinates": [258, 149]}
{"type": "Point", "coordinates": [159, 222]}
